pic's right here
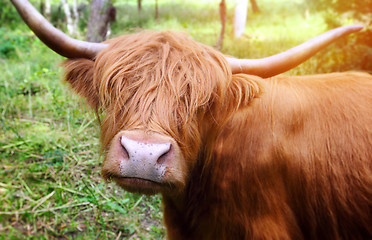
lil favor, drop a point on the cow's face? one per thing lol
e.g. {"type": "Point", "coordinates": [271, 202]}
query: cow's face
{"type": "Point", "coordinates": [161, 95]}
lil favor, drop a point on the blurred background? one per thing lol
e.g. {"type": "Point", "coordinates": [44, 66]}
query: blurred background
{"type": "Point", "coordinates": [50, 185]}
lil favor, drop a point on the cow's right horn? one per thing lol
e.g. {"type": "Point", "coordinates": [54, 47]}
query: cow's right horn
{"type": "Point", "coordinates": [282, 62]}
{"type": "Point", "coordinates": [54, 38]}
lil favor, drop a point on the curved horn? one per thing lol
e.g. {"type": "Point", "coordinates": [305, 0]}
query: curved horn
{"type": "Point", "coordinates": [54, 38]}
{"type": "Point", "coordinates": [279, 63]}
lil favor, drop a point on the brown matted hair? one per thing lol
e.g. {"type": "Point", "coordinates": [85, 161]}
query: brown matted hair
{"type": "Point", "coordinates": [158, 81]}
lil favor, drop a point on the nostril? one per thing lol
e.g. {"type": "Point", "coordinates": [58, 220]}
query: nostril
{"type": "Point", "coordinates": [124, 150]}
{"type": "Point", "coordinates": [163, 158]}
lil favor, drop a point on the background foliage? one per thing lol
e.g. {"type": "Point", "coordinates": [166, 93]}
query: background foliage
{"type": "Point", "coordinates": [50, 186]}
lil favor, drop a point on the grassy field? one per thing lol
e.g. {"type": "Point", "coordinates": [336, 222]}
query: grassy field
{"type": "Point", "coordinates": [50, 184]}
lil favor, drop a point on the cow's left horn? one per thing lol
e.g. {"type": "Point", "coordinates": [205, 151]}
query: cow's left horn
{"type": "Point", "coordinates": [54, 38]}
{"type": "Point", "coordinates": [282, 62]}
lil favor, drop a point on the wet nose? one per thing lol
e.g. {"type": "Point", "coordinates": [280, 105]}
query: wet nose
{"type": "Point", "coordinates": [150, 153]}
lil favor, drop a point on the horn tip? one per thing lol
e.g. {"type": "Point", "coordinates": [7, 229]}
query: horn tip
{"type": "Point", "coordinates": [355, 28]}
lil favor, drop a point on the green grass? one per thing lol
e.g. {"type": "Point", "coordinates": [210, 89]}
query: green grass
{"type": "Point", "coordinates": [50, 184]}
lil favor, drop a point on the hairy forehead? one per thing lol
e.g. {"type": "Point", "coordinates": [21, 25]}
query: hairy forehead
{"type": "Point", "coordinates": [158, 80]}
{"type": "Point", "coordinates": [146, 62]}
{"type": "Point", "coordinates": [158, 52]}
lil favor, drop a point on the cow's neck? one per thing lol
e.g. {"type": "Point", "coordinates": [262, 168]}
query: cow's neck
{"type": "Point", "coordinates": [192, 212]}
{"type": "Point", "coordinates": [205, 207]}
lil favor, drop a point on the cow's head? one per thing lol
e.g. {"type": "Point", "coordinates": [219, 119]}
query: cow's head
{"type": "Point", "coordinates": [162, 96]}
{"type": "Point", "coordinates": [160, 93]}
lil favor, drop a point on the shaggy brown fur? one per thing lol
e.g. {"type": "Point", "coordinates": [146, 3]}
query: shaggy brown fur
{"type": "Point", "coordinates": [281, 158]}
{"type": "Point", "coordinates": [156, 81]}
{"type": "Point", "coordinates": [296, 164]}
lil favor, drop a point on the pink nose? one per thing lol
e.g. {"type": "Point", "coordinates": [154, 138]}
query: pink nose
{"type": "Point", "coordinates": [152, 153]}
{"type": "Point", "coordinates": [145, 160]}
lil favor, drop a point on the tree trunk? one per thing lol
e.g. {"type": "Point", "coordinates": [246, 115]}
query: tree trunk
{"type": "Point", "coordinates": [139, 5]}
{"type": "Point", "coordinates": [76, 15]}
{"type": "Point", "coordinates": [223, 24]}
{"type": "Point", "coordinates": [240, 17]}
{"type": "Point", "coordinates": [98, 24]}
{"type": "Point", "coordinates": [45, 8]}
{"type": "Point", "coordinates": [156, 10]}
{"type": "Point", "coordinates": [70, 26]}
{"type": "Point", "coordinates": [254, 6]}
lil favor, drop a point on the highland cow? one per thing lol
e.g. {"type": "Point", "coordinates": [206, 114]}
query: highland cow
{"type": "Point", "coordinates": [235, 155]}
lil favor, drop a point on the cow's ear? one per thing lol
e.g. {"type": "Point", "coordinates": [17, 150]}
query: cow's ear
{"type": "Point", "coordinates": [241, 91]}
{"type": "Point", "coordinates": [79, 74]}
